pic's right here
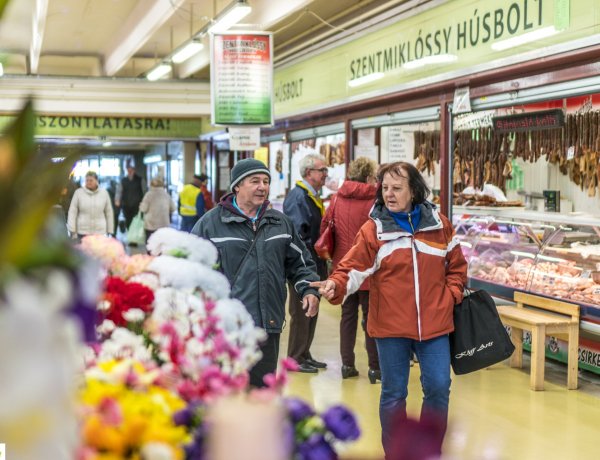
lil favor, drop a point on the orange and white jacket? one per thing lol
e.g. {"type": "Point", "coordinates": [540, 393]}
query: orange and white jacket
{"type": "Point", "coordinates": [415, 279]}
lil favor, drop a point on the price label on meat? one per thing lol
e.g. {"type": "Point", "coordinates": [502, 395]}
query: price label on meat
{"type": "Point", "coordinates": [241, 79]}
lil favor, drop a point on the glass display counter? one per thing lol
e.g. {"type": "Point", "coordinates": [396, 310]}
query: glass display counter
{"type": "Point", "coordinates": [549, 254]}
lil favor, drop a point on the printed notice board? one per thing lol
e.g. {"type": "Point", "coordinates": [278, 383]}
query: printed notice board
{"type": "Point", "coordinates": [241, 66]}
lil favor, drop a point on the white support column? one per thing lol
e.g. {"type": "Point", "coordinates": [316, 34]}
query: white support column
{"type": "Point", "coordinates": [189, 161]}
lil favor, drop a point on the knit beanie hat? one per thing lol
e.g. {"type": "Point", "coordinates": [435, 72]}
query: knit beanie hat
{"type": "Point", "coordinates": [245, 168]}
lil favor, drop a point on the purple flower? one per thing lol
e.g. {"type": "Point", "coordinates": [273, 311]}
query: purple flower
{"type": "Point", "coordinates": [83, 306]}
{"type": "Point", "coordinates": [195, 449]}
{"type": "Point", "coordinates": [186, 417]}
{"type": "Point", "coordinates": [316, 447]}
{"type": "Point", "coordinates": [289, 437]}
{"type": "Point", "coordinates": [87, 316]}
{"type": "Point", "coordinates": [298, 409]}
{"type": "Point", "coordinates": [342, 423]}
{"type": "Point", "coordinates": [183, 417]}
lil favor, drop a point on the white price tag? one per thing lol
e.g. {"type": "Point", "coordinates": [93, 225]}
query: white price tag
{"type": "Point", "coordinates": [570, 153]}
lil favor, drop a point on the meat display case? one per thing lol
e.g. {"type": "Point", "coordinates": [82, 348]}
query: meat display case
{"type": "Point", "coordinates": [548, 254]}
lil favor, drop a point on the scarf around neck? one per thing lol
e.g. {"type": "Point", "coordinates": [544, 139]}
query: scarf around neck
{"type": "Point", "coordinates": [316, 199]}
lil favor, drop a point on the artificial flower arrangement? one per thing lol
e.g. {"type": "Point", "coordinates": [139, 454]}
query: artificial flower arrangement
{"type": "Point", "coordinates": [303, 434]}
{"type": "Point", "coordinates": [173, 315]}
{"type": "Point", "coordinates": [166, 322]}
{"type": "Point", "coordinates": [124, 412]}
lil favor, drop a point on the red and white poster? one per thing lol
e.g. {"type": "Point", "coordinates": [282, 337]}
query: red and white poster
{"type": "Point", "coordinates": [241, 78]}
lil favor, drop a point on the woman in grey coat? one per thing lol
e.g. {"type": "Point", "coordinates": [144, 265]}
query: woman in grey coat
{"type": "Point", "coordinates": [157, 206]}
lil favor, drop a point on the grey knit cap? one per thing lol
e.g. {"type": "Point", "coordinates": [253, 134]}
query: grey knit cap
{"type": "Point", "coordinates": [245, 168]}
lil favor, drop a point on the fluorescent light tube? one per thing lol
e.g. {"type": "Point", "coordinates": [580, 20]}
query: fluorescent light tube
{"type": "Point", "coordinates": [187, 52]}
{"type": "Point", "coordinates": [159, 72]}
{"type": "Point", "coordinates": [232, 16]}
{"type": "Point", "coordinates": [525, 38]}
{"type": "Point", "coordinates": [366, 79]}
{"type": "Point", "coordinates": [429, 60]}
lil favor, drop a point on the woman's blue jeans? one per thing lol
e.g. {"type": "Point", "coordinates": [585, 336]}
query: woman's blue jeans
{"type": "Point", "coordinates": [394, 361]}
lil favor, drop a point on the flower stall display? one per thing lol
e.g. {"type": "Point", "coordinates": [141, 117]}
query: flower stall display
{"type": "Point", "coordinates": [111, 356]}
{"type": "Point", "coordinates": [168, 321]}
{"type": "Point", "coordinates": [181, 322]}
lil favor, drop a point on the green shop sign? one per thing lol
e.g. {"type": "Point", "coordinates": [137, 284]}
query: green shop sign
{"type": "Point", "coordinates": [127, 127]}
{"type": "Point", "coordinates": [453, 39]}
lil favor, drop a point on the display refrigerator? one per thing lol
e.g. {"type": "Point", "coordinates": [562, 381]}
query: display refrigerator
{"type": "Point", "coordinates": [548, 254]}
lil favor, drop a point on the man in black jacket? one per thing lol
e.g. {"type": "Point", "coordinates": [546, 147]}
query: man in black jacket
{"type": "Point", "coordinates": [130, 195]}
{"type": "Point", "coordinates": [258, 251]}
{"type": "Point", "coordinates": [304, 207]}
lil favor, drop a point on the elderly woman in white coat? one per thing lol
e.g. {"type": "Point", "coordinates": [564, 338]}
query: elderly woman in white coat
{"type": "Point", "coordinates": [157, 206]}
{"type": "Point", "coordinates": [90, 212]}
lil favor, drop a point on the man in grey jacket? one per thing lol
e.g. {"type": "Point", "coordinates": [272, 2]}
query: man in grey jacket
{"type": "Point", "coordinates": [259, 251]}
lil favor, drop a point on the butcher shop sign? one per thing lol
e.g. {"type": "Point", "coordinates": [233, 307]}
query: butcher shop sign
{"type": "Point", "coordinates": [526, 122]}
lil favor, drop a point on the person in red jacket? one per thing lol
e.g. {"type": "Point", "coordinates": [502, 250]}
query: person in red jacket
{"type": "Point", "coordinates": [417, 274]}
{"type": "Point", "coordinates": [349, 210]}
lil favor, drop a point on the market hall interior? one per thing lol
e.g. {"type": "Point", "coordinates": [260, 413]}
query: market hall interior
{"type": "Point", "coordinates": [497, 104]}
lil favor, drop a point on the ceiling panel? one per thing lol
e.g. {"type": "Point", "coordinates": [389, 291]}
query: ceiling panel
{"type": "Point", "coordinates": [83, 26]}
{"type": "Point", "coordinates": [81, 36]}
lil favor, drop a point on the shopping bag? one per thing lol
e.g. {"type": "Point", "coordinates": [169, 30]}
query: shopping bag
{"type": "Point", "coordinates": [324, 245]}
{"type": "Point", "coordinates": [135, 232]}
{"type": "Point", "coordinates": [479, 338]}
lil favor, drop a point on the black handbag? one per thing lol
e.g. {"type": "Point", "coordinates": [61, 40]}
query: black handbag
{"type": "Point", "coordinates": [479, 338]}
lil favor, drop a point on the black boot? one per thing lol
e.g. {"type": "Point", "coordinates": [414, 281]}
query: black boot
{"type": "Point", "coordinates": [349, 371]}
{"type": "Point", "coordinates": [374, 375]}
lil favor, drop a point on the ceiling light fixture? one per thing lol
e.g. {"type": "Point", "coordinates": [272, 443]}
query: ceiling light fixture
{"type": "Point", "coordinates": [525, 38]}
{"type": "Point", "coordinates": [230, 16]}
{"type": "Point", "coordinates": [40, 13]}
{"type": "Point", "coordinates": [159, 71]}
{"type": "Point", "coordinates": [187, 51]}
{"type": "Point", "coordinates": [429, 60]}
{"type": "Point", "coordinates": [366, 79]}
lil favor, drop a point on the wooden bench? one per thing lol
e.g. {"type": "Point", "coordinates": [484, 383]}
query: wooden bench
{"type": "Point", "coordinates": [549, 317]}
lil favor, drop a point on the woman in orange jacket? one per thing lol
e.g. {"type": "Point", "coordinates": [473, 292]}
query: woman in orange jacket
{"type": "Point", "coordinates": [417, 273]}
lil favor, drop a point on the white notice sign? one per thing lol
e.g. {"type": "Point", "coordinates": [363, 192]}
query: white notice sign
{"type": "Point", "coordinates": [244, 138]}
{"type": "Point", "coordinates": [462, 100]}
{"type": "Point", "coordinates": [400, 144]}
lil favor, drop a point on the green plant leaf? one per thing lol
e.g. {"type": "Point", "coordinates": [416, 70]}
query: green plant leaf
{"type": "Point", "coordinates": [30, 185]}
{"type": "Point", "coordinates": [3, 4]}
{"type": "Point", "coordinates": [22, 132]}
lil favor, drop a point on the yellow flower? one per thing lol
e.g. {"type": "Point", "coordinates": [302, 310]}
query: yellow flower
{"type": "Point", "coordinates": [102, 437]}
{"type": "Point", "coordinates": [147, 417]}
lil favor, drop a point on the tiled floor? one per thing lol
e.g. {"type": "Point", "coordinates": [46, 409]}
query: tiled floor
{"type": "Point", "coordinates": [493, 414]}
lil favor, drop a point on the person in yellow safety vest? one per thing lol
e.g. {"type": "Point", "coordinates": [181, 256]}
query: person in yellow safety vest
{"type": "Point", "coordinates": [192, 204]}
